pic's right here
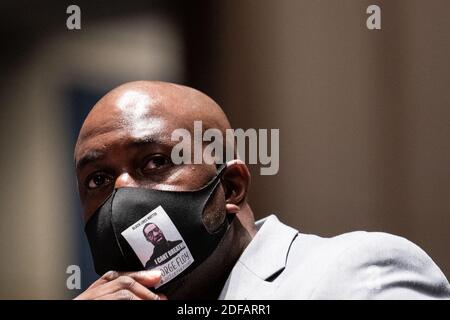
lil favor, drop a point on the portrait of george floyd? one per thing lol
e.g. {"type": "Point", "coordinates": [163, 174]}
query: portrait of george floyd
{"type": "Point", "coordinates": [225, 150]}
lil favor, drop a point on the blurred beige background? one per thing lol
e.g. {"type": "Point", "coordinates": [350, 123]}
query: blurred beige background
{"type": "Point", "coordinates": [364, 116]}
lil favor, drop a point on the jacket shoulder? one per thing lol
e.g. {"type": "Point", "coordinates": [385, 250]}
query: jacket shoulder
{"type": "Point", "coordinates": [374, 265]}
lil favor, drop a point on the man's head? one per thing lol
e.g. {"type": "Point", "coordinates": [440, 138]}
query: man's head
{"type": "Point", "coordinates": [125, 141]}
{"type": "Point", "coordinates": [153, 234]}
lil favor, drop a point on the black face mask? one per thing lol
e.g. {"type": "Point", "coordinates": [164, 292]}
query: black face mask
{"type": "Point", "coordinates": [130, 212]}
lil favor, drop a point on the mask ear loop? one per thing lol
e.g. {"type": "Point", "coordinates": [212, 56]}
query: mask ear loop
{"type": "Point", "coordinates": [228, 217]}
{"type": "Point", "coordinates": [211, 187]}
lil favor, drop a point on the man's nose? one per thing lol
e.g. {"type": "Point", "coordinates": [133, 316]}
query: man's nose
{"type": "Point", "coordinates": [125, 180]}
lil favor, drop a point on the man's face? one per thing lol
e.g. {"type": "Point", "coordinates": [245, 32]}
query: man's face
{"type": "Point", "coordinates": [154, 235]}
{"type": "Point", "coordinates": [126, 142]}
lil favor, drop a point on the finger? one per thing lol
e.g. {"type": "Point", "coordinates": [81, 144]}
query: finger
{"type": "Point", "coordinates": [129, 284]}
{"type": "Point", "coordinates": [119, 295]}
{"type": "Point", "coordinates": [93, 290]}
{"type": "Point", "coordinates": [107, 277]}
{"type": "Point", "coordinates": [148, 278]}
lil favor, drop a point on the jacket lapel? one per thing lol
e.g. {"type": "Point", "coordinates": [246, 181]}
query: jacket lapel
{"type": "Point", "coordinates": [263, 259]}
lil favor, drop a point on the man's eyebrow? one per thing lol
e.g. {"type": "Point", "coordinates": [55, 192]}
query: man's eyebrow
{"type": "Point", "coordinates": [89, 157]}
{"type": "Point", "coordinates": [137, 142]}
{"type": "Point", "coordinates": [95, 155]}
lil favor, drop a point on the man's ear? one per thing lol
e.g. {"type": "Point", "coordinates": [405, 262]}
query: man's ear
{"type": "Point", "coordinates": [235, 181]}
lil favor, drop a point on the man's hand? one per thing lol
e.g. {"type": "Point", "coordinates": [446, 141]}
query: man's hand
{"type": "Point", "coordinates": [124, 286]}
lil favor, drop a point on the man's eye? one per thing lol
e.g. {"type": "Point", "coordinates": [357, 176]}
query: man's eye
{"type": "Point", "coordinates": [97, 181]}
{"type": "Point", "coordinates": [156, 162]}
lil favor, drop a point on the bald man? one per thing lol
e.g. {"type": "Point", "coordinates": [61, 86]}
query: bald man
{"type": "Point", "coordinates": [123, 155]}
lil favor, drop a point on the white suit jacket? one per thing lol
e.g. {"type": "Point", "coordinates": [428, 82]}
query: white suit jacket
{"type": "Point", "coordinates": [281, 263]}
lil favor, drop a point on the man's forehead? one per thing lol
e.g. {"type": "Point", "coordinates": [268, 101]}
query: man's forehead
{"type": "Point", "coordinates": [138, 109]}
{"type": "Point", "coordinates": [125, 111]}
{"type": "Point", "coordinates": [131, 119]}
{"type": "Point", "coordinates": [151, 227]}
{"type": "Point", "coordinates": [138, 115]}
{"type": "Point", "coordinates": [144, 131]}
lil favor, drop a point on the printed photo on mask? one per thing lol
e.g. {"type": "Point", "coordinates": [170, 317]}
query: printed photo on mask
{"type": "Point", "coordinates": [158, 245]}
